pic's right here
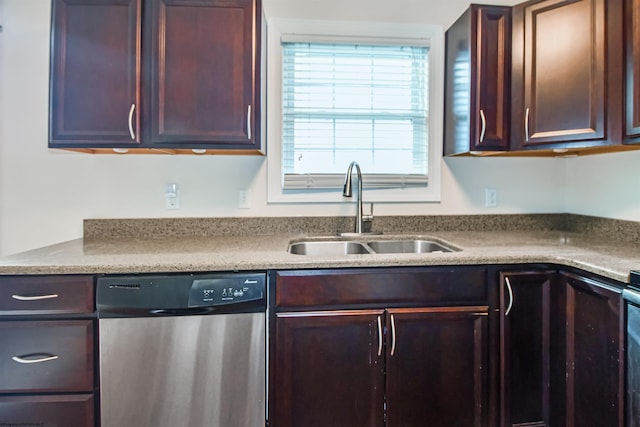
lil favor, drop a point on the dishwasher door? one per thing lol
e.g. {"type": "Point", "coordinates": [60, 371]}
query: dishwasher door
{"type": "Point", "coordinates": [183, 371]}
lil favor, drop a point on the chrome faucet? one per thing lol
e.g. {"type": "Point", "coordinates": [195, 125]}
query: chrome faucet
{"type": "Point", "coordinates": [348, 192]}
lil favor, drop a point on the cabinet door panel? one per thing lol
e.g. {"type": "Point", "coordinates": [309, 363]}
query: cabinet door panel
{"type": "Point", "coordinates": [47, 411]}
{"type": "Point", "coordinates": [95, 68]}
{"type": "Point", "coordinates": [632, 47]}
{"type": "Point", "coordinates": [567, 74]}
{"type": "Point", "coordinates": [594, 347]}
{"type": "Point", "coordinates": [437, 367]}
{"type": "Point", "coordinates": [203, 72]}
{"type": "Point", "coordinates": [525, 307]}
{"type": "Point", "coordinates": [493, 78]}
{"type": "Point", "coordinates": [477, 80]}
{"type": "Point", "coordinates": [329, 369]}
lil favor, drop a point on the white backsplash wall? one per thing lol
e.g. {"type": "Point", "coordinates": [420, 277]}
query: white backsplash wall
{"type": "Point", "coordinates": [45, 194]}
{"type": "Point", "coordinates": [606, 185]}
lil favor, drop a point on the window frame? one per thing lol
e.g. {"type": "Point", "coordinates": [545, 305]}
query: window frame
{"type": "Point", "coordinates": [313, 30]}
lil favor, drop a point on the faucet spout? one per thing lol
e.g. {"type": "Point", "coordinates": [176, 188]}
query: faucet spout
{"type": "Point", "coordinates": [348, 192]}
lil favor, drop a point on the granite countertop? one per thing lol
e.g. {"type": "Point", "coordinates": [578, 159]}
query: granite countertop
{"type": "Point", "coordinates": [103, 253]}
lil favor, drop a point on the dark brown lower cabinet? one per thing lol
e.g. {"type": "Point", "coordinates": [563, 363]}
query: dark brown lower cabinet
{"type": "Point", "coordinates": [436, 367]}
{"type": "Point", "coordinates": [593, 356]}
{"type": "Point", "coordinates": [332, 367]}
{"type": "Point", "coordinates": [48, 410]}
{"type": "Point", "coordinates": [561, 349]}
{"type": "Point", "coordinates": [525, 347]}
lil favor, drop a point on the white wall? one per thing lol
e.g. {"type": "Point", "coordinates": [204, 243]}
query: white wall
{"type": "Point", "coordinates": [45, 194]}
{"type": "Point", "coordinates": [606, 185]}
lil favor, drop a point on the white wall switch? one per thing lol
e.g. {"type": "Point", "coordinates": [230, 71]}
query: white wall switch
{"type": "Point", "coordinates": [490, 197]}
{"type": "Point", "coordinates": [244, 199]}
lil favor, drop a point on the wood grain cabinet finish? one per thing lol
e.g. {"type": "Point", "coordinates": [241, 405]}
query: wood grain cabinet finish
{"type": "Point", "coordinates": [436, 369]}
{"type": "Point", "coordinates": [47, 342]}
{"type": "Point", "coordinates": [329, 369]}
{"type": "Point", "coordinates": [95, 90]}
{"type": "Point", "coordinates": [593, 357]}
{"type": "Point", "coordinates": [632, 64]}
{"type": "Point", "coordinates": [46, 356]}
{"type": "Point", "coordinates": [478, 81]}
{"type": "Point", "coordinates": [526, 324]}
{"type": "Point", "coordinates": [380, 347]}
{"type": "Point", "coordinates": [205, 73]}
{"type": "Point", "coordinates": [46, 295]}
{"type": "Point", "coordinates": [48, 410]}
{"type": "Point", "coordinates": [161, 74]}
{"type": "Point", "coordinates": [567, 73]}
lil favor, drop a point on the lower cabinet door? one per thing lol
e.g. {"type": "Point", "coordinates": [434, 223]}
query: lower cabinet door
{"type": "Point", "coordinates": [437, 367]}
{"type": "Point", "coordinates": [594, 351]}
{"type": "Point", "coordinates": [47, 411]}
{"type": "Point", "coordinates": [527, 322]}
{"type": "Point", "coordinates": [329, 369]}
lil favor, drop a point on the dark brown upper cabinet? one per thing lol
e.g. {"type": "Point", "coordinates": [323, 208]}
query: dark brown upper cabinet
{"type": "Point", "coordinates": [567, 74]}
{"type": "Point", "coordinates": [632, 57]}
{"type": "Point", "coordinates": [167, 75]}
{"type": "Point", "coordinates": [478, 80]}
{"type": "Point", "coordinates": [95, 88]}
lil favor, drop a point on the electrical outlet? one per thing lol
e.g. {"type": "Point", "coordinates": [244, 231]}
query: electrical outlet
{"type": "Point", "coordinates": [244, 199]}
{"type": "Point", "coordinates": [171, 196]}
{"type": "Point", "coordinates": [490, 197]}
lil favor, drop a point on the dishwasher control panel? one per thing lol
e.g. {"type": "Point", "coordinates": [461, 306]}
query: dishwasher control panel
{"type": "Point", "coordinates": [208, 292]}
{"type": "Point", "coordinates": [181, 294]}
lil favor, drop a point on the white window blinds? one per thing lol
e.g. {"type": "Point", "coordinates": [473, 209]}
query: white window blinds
{"type": "Point", "coordinates": [344, 102]}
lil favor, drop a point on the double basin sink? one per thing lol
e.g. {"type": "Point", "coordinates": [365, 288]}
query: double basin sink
{"type": "Point", "coordinates": [361, 247]}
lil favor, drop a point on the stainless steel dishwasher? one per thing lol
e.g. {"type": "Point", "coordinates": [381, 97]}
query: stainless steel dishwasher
{"type": "Point", "coordinates": [182, 350]}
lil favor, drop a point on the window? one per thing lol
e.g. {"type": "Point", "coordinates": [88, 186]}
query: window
{"type": "Point", "coordinates": [360, 96]}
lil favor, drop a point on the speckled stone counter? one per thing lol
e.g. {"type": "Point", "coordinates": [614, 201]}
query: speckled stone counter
{"type": "Point", "coordinates": [609, 248]}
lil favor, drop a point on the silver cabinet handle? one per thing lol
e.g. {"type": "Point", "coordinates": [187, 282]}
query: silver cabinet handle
{"type": "Point", "coordinates": [45, 358]}
{"type": "Point", "coordinates": [34, 298]}
{"type": "Point", "coordinates": [249, 121]}
{"type": "Point", "coordinates": [484, 125]}
{"type": "Point", "coordinates": [393, 335]}
{"type": "Point", "coordinates": [506, 313]}
{"type": "Point", "coordinates": [131, 132]}
{"type": "Point", "coordinates": [526, 125]}
{"type": "Point", "coordinates": [379, 336]}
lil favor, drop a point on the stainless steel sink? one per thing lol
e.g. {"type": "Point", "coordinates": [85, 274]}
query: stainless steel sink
{"type": "Point", "coordinates": [349, 247]}
{"type": "Point", "coordinates": [407, 247]}
{"type": "Point", "coordinates": [328, 248]}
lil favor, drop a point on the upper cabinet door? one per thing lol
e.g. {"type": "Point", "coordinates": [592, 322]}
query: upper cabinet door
{"type": "Point", "coordinates": [565, 75]}
{"type": "Point", "coordinates": [478, 80]}
{"type": "Point", "coordinates": [95, 69]}
{"type": "Point", "coordinates": [204, 71]}
{"type": "Point", "coordinates": [632, 52]}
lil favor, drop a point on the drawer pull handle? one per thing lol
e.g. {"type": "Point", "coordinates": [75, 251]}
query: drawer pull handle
{"type": "Point", "coordinates": [34, 298]}
{"type": "Point", "coordinates": [131, 132]}
{"type": "Point", "coordinates": [393, 335]}
{"type": "Point", "coordinates": [510, 306]}
{"type": "Point", "coordinates": [484, 126]}
{"type": "Point", "coordinates": [25, 361]}
{"type": "Point", "coordinates": [379, 336]}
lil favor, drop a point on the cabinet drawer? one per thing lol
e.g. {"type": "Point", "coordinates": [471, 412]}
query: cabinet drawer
{"type": "Point", "coordinates": [47, 411]}
{"type": "Point", "coordinates": [395, 287]}
{"type": "Point", "coordinates": [46, 356]}
{"type": "Point", "coordinates": [27, 295]}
